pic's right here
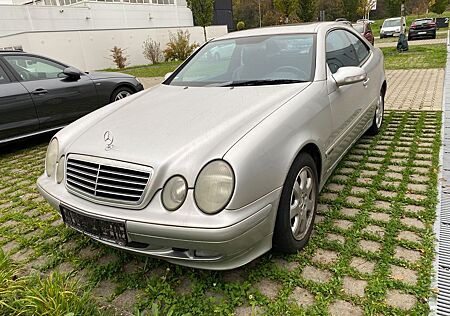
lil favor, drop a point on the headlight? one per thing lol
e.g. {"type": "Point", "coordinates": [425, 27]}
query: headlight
{"type": "Point", "coordinates": [174, 193]}
{"type": "Point", "coordinates": [214, 187]}
{"type": "Point", "coordinates": [60, 170]}
{"type": "Point", "coordinates": [52, 157]}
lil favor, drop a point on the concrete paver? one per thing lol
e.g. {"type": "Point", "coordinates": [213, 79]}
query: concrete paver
{"type": "Point", "coordinates": [415, 89]}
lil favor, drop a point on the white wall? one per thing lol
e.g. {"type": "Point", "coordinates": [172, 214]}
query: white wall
{"type": "Point", "coordinates": [91, 15]}
{"type": "Point", "coordinates": [89, 50]}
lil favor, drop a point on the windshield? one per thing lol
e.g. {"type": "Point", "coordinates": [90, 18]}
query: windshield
{"type": "Point", "coordinates": [257, 60]}
{"type": "Point", "coordinates": [391, 23]}
{"type": "Point", "coordinates": [359, 28]}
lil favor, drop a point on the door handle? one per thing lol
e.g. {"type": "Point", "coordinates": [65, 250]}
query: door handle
{"type": "Point", "coordinates": [366, 82]}
{"type": "Point", "coordinates": [39, 91]}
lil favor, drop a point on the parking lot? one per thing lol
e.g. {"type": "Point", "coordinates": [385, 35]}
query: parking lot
{"type": "Point", "coordinates": [371, 250]}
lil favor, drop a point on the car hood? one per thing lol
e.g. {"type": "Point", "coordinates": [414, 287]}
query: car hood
{"type": "Point", "coordinates": [179, 129]}
{"type": "Point", "coordinates": [106, 74]}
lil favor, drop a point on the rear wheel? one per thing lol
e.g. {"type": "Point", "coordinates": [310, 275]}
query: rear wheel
{"type": "Point", "coordinates": [120, 93]}
{"type": "Point", "coordinates": [298, 204]}
{"type": "Point", "coordinates": [378, 117]}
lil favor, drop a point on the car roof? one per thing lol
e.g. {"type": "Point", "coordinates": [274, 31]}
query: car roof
{"type": "Point", "coordinates": [390, 19]}
{"type": "Point", "coordinates": [9, 51]}
{"type": "Point", "coordinates": [423, 19]}
{"type": "Point", "coordinates": [282, 29]}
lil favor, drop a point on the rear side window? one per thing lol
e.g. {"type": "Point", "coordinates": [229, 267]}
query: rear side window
{"type": "Point", "coordinates": [360, 48]}
{"type": "Point", "coordinates": [339, 51]}
{"type": "Point", "coordinates": [3, 77]}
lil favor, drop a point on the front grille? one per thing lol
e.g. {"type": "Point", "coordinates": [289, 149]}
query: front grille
{"type": "Point", "coordinates": [106, 182]}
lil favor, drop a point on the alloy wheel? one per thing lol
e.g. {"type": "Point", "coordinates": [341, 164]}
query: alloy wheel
{"type": "Point", "coordinates": [379, 112]}
{"type": "Point", "coordinates": [121, 95]}
{"type": "Point", "coordinates": [302, 205]}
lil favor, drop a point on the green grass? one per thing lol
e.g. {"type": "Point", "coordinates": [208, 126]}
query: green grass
{"type": "Point", "coordinates": [418, 56]}
{"type": "Point", "coordinates": [157, 70]}
{"type": "Point", "coordinates": [376, 26]}
{"type": "Point", "coordinates": [407, 147]}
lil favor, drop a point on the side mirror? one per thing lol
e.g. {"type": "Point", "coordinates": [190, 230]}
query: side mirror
{"type": "Point", "coordinates": [72, 73]}
{"type": "Point", "coordinates": [348, 75]}
{"type": "Point", "coordinates": [167, 75]}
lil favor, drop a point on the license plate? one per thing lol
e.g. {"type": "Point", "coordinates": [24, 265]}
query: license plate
{"type": "Point", "coordinates": [422, 33]}
{"type": "Point", "coordinates": [110, 231]}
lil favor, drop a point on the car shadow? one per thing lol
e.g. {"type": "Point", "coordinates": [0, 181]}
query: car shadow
{"type": "Point", "coordinates": [26, 143]}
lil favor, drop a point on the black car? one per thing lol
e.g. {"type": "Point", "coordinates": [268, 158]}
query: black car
{"type": "Point", "coordinates": [38, 94]}
{"type": "Point", "coordinates": [422, 28]}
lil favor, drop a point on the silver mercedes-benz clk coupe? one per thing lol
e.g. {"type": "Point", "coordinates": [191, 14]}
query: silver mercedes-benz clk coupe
{"type": "Point", "coordinates": [225, 159]}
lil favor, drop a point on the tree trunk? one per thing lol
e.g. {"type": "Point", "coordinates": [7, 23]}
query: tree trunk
{"type": "Point", "coordinates": [204, 33]}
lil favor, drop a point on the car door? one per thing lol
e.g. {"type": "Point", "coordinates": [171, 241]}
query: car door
{"type": "Point", "coordinates": [17, 112]}
{"type": "Point", "coordinates": [348, 102]}
{"type": "Point", "coordinates": [59, 99]}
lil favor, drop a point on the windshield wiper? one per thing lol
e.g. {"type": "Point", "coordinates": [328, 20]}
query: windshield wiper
{"type": "Point", "coordinates": [261, 82]}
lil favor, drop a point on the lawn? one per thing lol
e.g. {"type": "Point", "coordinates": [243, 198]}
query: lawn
{"type": "Point", "coordinates": [418, 56]}
{"type": "Point", "coordinates": [371, 251]}
{"type": "Point", "coordinates": [157, 70]}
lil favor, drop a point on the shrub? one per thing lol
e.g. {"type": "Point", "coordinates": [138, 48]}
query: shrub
{"type": "Point", "coordinates": [152, 51]}
{"type": "Point", "coordinates": [178, 47]}
{"type": "Point", "coordinates": [240, 25]}
{"type": "Point", "coordinates": [118, 57]}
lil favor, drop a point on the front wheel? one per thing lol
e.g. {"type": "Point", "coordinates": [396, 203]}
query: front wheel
{"type": "Point", "coordinates": [298, 204]}
{"type": "Point", "coordinates": [378, 117]}
{"type": "Point", "coordinates": [120, 93]}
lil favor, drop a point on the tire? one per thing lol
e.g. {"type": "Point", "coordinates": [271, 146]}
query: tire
{"type": "Point", "coordinates": [120, 93]}
{"type": "Point", "coordinates": [291, 233]}
{"type": "Point", "coordinates": [377, 121]}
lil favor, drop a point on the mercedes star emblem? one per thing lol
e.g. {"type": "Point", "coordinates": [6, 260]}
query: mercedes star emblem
{"type": "Point", "coordinates": [109, 139]}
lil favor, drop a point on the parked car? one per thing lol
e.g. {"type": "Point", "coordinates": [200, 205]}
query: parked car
{"type": "Point", "coordinates": [211, 169]}
{"type": "Point", "coordinates": [392, 27]}
{"type": "Point", "coordinates": [344, 20]}
{"type": "Point", "coordinates": [365, 21]}
{"type": "Point", "coordinates": [39, 94]}
{"type": "Point", "coordinates": [422, 28]}
{"type": "Point", "coordinates": [365, 30]}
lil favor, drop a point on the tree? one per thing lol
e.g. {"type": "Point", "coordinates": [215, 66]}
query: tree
{"type": "Point", "coordinates": [203, 11]}
{"type": "Point", "coordinates": [333, 8]}
{"type": "Point", "coordinates": [439, 6]}
{"type": "Point", "coordinates": [247, 11]}
{"type": "Point", "coordinates": [351, 9]}
{"type": "Point", "coordinates": [306, 10]}
{"type": "Point", "coordinates": [287, 8]}
{"type": "Point", "coordinates": [365, 6]}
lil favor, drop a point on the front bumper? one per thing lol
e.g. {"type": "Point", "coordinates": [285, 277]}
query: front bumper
{"type": "Point", "coordinates": [212, 247]}
{"type": "Point", "coordinates": [390, 34]}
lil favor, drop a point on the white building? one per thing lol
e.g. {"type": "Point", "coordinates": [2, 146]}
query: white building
{"type": "Point", "coordinates": [60, 15]}
{"type": "Point", "coordinates": [82, 32]}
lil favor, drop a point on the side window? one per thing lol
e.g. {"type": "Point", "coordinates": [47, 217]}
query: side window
{"type": "Point", "coordinates": [3, 77]}
{"type": "Point", "coordinates": [361, 49]}
{"type": "Point", "coordinates": [32, 68]}
{"type": "Point", "coordinates": [339, 51]}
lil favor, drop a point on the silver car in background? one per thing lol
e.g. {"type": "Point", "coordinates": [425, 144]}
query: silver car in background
{"type": "Point", "coordinates": [226, 158]}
